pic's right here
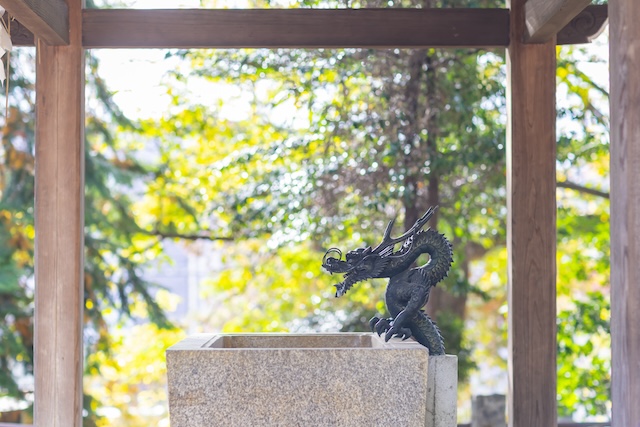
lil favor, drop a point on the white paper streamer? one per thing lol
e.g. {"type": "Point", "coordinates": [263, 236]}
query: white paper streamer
{"type": "Point", "coordinates": [5, 46]}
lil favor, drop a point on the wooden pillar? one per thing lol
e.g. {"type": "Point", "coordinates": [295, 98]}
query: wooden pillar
{"type": "Point", "coordinates": [531, 227]}
{"type": "Point", "coordinates": [624, 39]}
{"type": "Point", "coordinates": [59, 208]}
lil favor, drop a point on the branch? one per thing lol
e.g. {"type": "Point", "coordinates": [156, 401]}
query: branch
{"type": "Point", "coordinates": [173, 235]}
{"type": "Point", "coordinates": [582, 189]}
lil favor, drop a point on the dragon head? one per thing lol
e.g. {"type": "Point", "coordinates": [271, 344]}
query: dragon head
{"type": "Point", "coordinates": [367, 263]}
{"type": "Point", "coordinates": [360, 264]}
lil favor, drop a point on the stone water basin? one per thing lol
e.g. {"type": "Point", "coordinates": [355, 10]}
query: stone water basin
{"type": "Point", "coordinates": [342, 379]}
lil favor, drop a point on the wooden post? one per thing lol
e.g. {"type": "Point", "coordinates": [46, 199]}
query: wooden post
{"type": "Point", "coordinates": [624, 39]}
{"type": "Point", "coordinates": [59, 207]}
{"type": "Point", "coordinates": [531, 227]}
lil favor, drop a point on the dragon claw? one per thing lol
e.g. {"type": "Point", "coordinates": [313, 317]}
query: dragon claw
{"type": "Point", "coordinates": [372, 323]}
{"type": "Point", "coordinates": [385, 326]}
{"type": "Point", "coordinates": [382, 326]}
{"type": "Point", "coordinates": [404, 333]}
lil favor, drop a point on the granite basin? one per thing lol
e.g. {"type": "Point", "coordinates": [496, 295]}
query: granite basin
{"type": "Point", "coordinates": [344, 379]}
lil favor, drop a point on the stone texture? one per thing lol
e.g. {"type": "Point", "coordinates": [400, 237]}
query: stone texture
{"type": "Point", "coordinates": [347, 379]}
{"type": "Point", "coordinates": [442, 392]}
{"type": "Point", "coordinates": [489, 411]}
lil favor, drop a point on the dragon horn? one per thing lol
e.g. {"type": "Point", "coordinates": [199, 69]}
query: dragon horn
{"type": "Point", "coordinates": [387, 232]}
{"type": "Point", "coordinates": [387, 240]}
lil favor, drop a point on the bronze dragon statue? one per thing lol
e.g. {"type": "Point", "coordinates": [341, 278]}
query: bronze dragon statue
{"type": "Point", "coordinates": [408, 288]}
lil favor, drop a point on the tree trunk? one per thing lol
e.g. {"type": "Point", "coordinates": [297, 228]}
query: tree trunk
{"type": "Point", "coordinates": [425, 117]}
{"type": "Point", "coordinates": [440, 300]}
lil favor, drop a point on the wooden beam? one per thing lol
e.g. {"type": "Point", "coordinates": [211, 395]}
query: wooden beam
{"type": "Point", "coordinates": [531, 227]}
{"type": "Point", "coordinates": [582, 29]}
{"type": "Point", "coordinates": [585, 27]}
{"type": "Point", "coordinates": [624, 53]}
{"type": "Point", "coordinates": [290, 28]}
{"type": "Point", "coordinates": [545, 18]}
{"type": "Point", "coordinates": [47, 19]}
{"type": "Point", "coordinates": [59, 250]}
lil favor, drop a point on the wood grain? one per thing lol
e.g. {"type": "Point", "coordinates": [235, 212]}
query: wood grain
{"type": "Point", "coordinates": [47, 19]}
{"type": "Point", "coordinates": [545, 18]}
{"type": "Point", "coordinates": [59, 251]}
{"type": "Point", "coordinates": [624, 39]}
{"type": "Point", "coordinates": [290, 28]}
{"type": "Point", "coordinates": [531, 228]}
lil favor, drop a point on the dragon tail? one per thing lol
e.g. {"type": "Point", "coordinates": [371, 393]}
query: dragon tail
{"type": "Point", "coordinates": [426, 332]}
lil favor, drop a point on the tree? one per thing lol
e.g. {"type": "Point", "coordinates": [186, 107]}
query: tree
{"type": "Point", "coordinates": [330, 144]}
{"type": "Point", "coordinates": [367, 133]}
{"type": "Point", "coordinates": [116, 248]}
{"type": "Point", "coordinates": [323, 148]}
{"type": "Point", "coordinates": [127, 385]}
{"type": "Point", "coordinates": [584, 362]}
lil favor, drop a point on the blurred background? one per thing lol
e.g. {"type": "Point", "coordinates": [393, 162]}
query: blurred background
{"type": "Point", "coordinates": [217, 179]}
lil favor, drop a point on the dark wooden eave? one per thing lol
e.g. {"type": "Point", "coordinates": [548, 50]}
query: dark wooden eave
{"type": "Point", "coordinates": [546, 18]}
{"type": "Point", "coordinates": [47, 19]}
{"type": "Point", "coordinates": [309, 28]}
{"type": "Point", "coordinates": [585, 27]}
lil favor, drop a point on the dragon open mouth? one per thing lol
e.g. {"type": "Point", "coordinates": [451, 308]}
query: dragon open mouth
{"type": "Point", "coordinates": [333, 263]}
